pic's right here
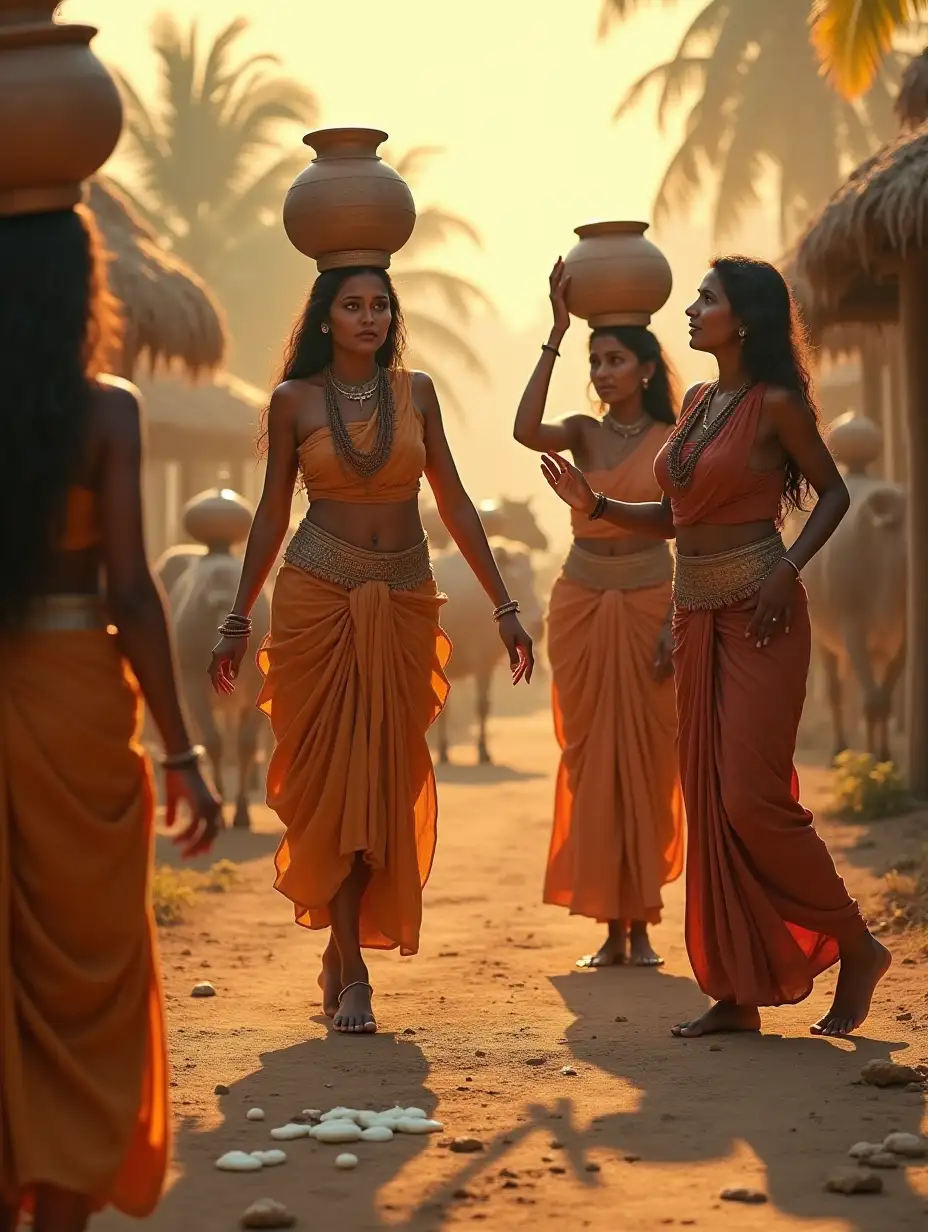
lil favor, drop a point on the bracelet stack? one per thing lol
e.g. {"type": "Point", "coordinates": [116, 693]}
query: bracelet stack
{"type": "Point", "coordinates": [236, 626]}
{"type": "Point", "coordinates": [506, 609]}
{"type": "Point", "coordinates": [546, 346]}
{"type": "Point", "coordinates": [183, 761]}
{"type": "Point", "coordinates": [599, 508]}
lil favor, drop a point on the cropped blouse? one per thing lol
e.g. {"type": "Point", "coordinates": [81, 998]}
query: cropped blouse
{"type": "Point", "coordinates": [632, 480]}
{"type": "Point", "coordinates": [724, 490]}
{"type": "Point", "coordinates": [328, 477]}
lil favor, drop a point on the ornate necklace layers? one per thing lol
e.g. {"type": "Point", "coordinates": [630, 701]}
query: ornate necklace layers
{"type": "Point", "coordinates": [681, 469]}
{"type": "Point", "coordinates": [366, 464]}
{"type": "Point", "coordinates": [627, 431]}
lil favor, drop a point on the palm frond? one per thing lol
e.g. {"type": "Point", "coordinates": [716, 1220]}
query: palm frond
{"type": "Point", "coordinates": [852, 37]}
{"type": "Point", "coordinates": [675, 77]}
{"type": "Point", "coordinates": [426, 330]}
{"type": "Point", "coordinates": [613, 12]}
{"type": "Point", "coordinates": [461, 297]}
{"type": "Point", "coordinates": [411, 164]}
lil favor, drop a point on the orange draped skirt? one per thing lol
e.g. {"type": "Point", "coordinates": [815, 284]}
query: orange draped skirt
{"type": "Point", "coordinates": [618, 818]}
{"type": "Point", "coordinates": [83, 1070]}
{"type": "Point", "coordinates": [765, 907]}
{"type": "Point", "coordinates": [353, 680]}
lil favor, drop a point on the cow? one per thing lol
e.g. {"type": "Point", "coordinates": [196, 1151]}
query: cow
{"type": "Point", "coordinates": [857, 601]}
{"type": "Point", "coordinates": [467, 620]}
{"type": "Point", "coordinates": [199, 597]}
{"type": "Point", "coordinates": [503, 518]}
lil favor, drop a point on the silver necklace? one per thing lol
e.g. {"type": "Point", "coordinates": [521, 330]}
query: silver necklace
{"type": "Point", "coordinates": [627, 431]}
{"type": "Point", "coordinates": [355, 393]}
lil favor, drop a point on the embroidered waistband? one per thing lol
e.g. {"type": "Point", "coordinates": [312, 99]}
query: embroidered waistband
{"type": "Point", "coordinates": [66, 614]}
{"type": "Point", "coordinates": [709, 582]}
{"type": "Point", "coordinates": [321, 554]}
{"type": "Point", "coordinates": [635, 571]}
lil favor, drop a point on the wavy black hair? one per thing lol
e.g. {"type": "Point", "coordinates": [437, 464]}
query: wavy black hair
{"type": "Point", "coordinates": [775, 350]}
{"type": "Point", "coordinates": [662, 395]}
{"type": "Point", "coordinates": [309, 350]}
{"type": "Point", "coordinates": [59, 326]}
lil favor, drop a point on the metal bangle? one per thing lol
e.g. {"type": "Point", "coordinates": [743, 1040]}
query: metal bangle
{"type": "Point", "coordinates": [506, 609]}
{"type": "Point", "coordinates": [792, 564]}
{"type": "Point", "coordinates": [546, 346]}
{"type": "Point", "coordinates": [182, 761]}
{"type": "Point", "coordinates": [600, 507]}
{"type": "Point", "coordinates": [234, 630]}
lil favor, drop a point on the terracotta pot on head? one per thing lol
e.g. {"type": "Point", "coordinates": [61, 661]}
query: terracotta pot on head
{"type": "Point", "coordinates": [617, 277]}
{"type": "Point", "coordinates": [60, 111]}
{"type": "Point", "coordinates": [348, 207]}
{"type": "Point", "coordinates": [218, 517]}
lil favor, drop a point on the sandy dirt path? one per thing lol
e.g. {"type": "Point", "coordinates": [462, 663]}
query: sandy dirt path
{"type": "Point", "coordinates": [477, 1029]}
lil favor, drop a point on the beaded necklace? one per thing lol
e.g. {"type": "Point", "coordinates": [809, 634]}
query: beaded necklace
{"type": "Point", "coordinates": [366, 464]}
{"type": "Point", "coordinates": [681, 469]}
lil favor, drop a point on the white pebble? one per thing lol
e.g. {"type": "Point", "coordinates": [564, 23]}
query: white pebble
{"type": "Point", "coordinates": [254, 1114]}
{"type": "Point", "coordinates": [418, 1125]}
{"type": "Point", "coordinates": [377, 1133]}
{"type": "Point", "coordinates": [238, 1161]}
{"type": "Point", "coordinates": [286, 1133]}
{"type": "Point", "coordinates": [415, 1113]}
{"type": "Point", "coordinates": [863, 1150]}
{"type": "Point", "coordinates": [909, 1145]}
{"type": "Point", "coordinates": [270, 1159]}
{"type": "Point", "coordinates": [346, 1161]}
{"type": "Point", "coordinates": [340, 1114]}
{"type": "Point", "coordinates": [336, 1131]}
{"type": "Point", "coordinates": [368, 1119]}
{"type": "Point", "coordinates": [314, 1113]}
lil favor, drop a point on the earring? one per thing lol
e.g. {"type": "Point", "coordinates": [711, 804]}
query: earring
{"type": "Point", "coordinates": [325, 328]}
{"type": "Point", "coordinates": [742, 332]}
{"type": "Point", "coordinates": [645, 382]}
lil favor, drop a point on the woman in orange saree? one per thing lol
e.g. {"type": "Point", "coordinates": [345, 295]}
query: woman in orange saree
{"type": "Point", "coordinates": [84, 1116]}
{"type": "Point", "coordinates": [766, 910]}
{"type": "Point", "coordinates": [617, 837]}
{"type": "Point", "coordinates": [354, 663]}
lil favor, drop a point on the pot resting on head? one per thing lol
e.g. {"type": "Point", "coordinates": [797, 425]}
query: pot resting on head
{"type": "Point", "coordinates": [617, 277]}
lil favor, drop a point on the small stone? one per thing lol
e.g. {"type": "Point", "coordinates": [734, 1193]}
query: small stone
{"type": "Point", "coordinates": [743, 1193]}
{"type": "Point", "coordinates": [377, 1133]}
{"type": "Point", "coordinates": [270, 1159]}
{"type": "Point", "coordinates": [536, 1061]}
{"type": "Point", "coordinates": [254, 1114]}
{"type": "Point", "coordinates": [286, 1133]}
{"type": "Point", "coordinates": [888, 1074]}
{"type": "Point", "coordinates": [854, 1181]}
{"type": "Point", "coordinates": [480, 1053]}
{"type": "Point", "coordinates": [557, 1170]}
{"type": "Point", "coordinates": [204, 989]}
{"type": "Point", "coordinates": [620, 1018]}
{"type": "Point", "coordinates": [593, 1168]}
{"type": "Point", "coordinates": [466, 1146]}
{"type": "Point", "coordinates": [238, 1161]}
{"type": "Point", "coordinates": [312, 1114]}
{"type": "Point", "coordinates": [715, 1047]}
{"type": "Point", "coordinates": [909, 1145]}
{"type": "Point", "coordinates": [335, 1132]}
{"type": "Point", "coordinates": [882, 1159]}
{"type": "Point", "coordinates": [916, 1088]}
{"type": "Point", "coordinates": [569, 1072]}
{"type": "Point", "coordinates": [266, 1213]}
{"type": "Point", "coordinates": [904, 1017]}
{"type": "Point", "coordinates": [632, 1159]}
{"type": "Point", "coordinates": [220, 1089]}
{"type": "Point", "coordinates": [863, 1150]}
{"type": "Point", "coordinates": [462, 1195]}
{"type": "Point", "coordinates": [346, 1161]}
{"type": "Point", "coordinates": [409, 1031]}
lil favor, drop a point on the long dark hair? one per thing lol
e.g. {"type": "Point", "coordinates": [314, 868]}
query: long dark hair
{"type": "Point", "coordinates": [775, 350]}
{"type": "Point", "coordinates": [309, 350]}
{"type": "Point", "coordinates": [661, 397]}
{"type": "Point", "coordinates": [58, 328]}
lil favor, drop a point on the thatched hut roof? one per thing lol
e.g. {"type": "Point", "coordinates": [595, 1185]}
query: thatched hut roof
{"type": "Point", "coordinates": [912, 99]}
{"type": "Point", "coordinates": [830, 332]}
{"type": "Point", "coordinates": [210, 417]}
{"type": "Point", "coordinates": [849, 254]}
{"type": "Point", "coordinates": [170, 315]}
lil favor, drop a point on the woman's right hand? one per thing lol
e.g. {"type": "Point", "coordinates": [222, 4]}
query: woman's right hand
{"type": "Point", "coordinates": [189, 787]}
{"type": "Point", "coordinates": [224, 666]}
{"type": "Point", "coordinates": [568, 482]}
{"type": "Point", "coordinates": [558, 283]}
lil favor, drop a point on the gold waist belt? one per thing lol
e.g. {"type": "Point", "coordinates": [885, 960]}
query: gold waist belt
{"type": "Point", "coordinates": [321, 554]}
{"type": "Point", "coordinates": [707, 582]}
{"type": "Point", "coordinates": [636, 571]}
{"type": "Point", "coordinates": [66, 614]}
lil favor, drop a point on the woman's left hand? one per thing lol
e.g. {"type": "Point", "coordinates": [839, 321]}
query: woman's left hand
{"type": "Point", "coordinates": [663, 654]}
{"type": "Point", "coordinates": [774, 608]}
{"type": "Point", "coordinates": [519, 647]}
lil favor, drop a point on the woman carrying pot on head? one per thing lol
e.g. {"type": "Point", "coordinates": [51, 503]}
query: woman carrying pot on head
{"type": "Point", "coordinates": [766, 911]}
{"type": "Point", "coordinates": [354, 663]}
{"type": "Point", "coordinates": [618, 825]}
{"type": "Point", "coordinates": [84, 1117]}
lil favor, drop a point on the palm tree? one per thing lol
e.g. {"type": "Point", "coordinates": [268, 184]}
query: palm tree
{"type": "Point", "coordinates": [761, 104]}
{"type": "Point", "coordinates": [853, 37]}
{"type": "Point", "coordinates": [207, 158]}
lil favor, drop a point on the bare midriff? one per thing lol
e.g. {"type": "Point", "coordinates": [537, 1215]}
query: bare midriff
{"type": "Point", "coordinates": [703, 539]}
{"type": "Point", "coordinates": [392, 527]}
{"type": "Point", "coordinates": [626, 545]}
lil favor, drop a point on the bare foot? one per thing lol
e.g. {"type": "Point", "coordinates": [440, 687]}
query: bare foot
{"type": "Point", "coordinates": [330, 979]}
{"type": "Point", "coordinates": [724, 1017]}
{"type": "Point", "coordinates": [611, 953]}
{"type": "Point", "coordinates": [642, 954]}
{"type": "Point", "coordinates": [863, 965]}
{"type": "Point", "coordinates": [354, 1015]}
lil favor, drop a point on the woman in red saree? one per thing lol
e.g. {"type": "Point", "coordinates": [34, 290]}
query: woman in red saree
{"type": "Point", "coordinates": [766, 911]}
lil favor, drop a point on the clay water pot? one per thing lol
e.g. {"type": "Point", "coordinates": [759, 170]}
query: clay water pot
{"type": "Point", "coordinates": [60, 111]}
{"type": "Point", "coordinates": [617, 277]}
{"type": "Point", "coordinates": [855, 441]}
{"type": "Point", "coordinates": [348, 207]}
{"type": "Point", "coordinates": [218, 517]}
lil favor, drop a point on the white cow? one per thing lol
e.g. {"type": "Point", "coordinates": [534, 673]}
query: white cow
{"type": "Point", "coordinates": [467, 619]}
